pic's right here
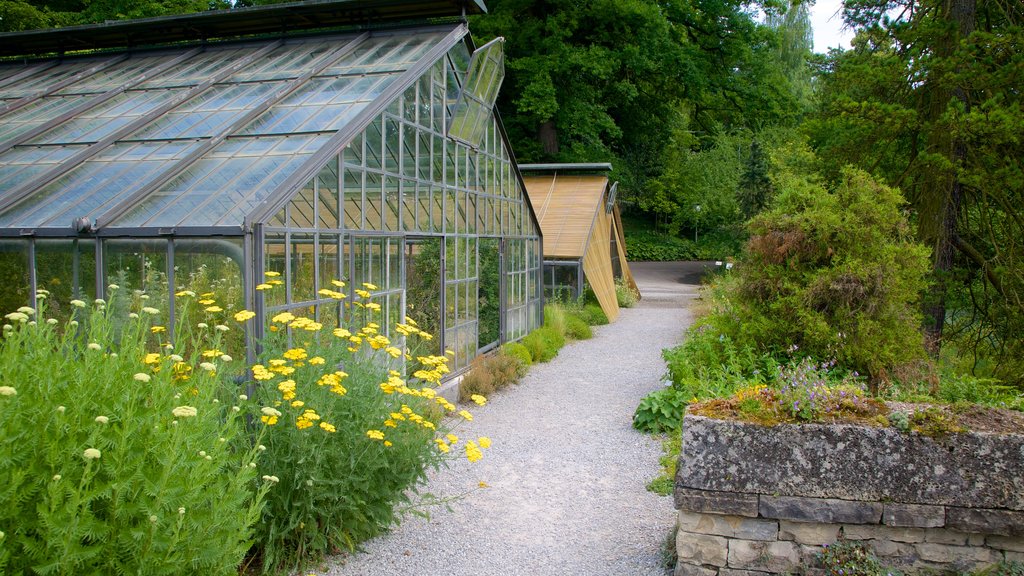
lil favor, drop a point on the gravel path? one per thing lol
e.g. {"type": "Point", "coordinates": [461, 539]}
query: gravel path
{"type": "Point", "coordinates": [566, 472]}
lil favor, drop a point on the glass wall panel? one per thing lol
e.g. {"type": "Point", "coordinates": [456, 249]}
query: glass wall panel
{"type": "Point", "coordinates": [67, 269]}
{"type": "Point", "coordinates": [14, 275]}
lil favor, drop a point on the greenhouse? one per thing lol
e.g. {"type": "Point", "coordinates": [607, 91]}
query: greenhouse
{"type": "Point", "coordinates": [584, 244]}
{"type": "Point", "coordinates": [357, 147]}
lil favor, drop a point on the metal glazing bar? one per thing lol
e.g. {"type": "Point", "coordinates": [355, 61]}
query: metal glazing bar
{"type": "Point", "coordinates": [358, 123]}
{"type": "Point", "coordinates": [25, 189]}
{"type": "Point", "coordinates": [171, 289]}
{"type": "Point", "coordinates": [28, 71]}
{"type": "Point", "coordinates": [32, 279]}
{"type": "Point", "coordinates": [178, 167]}
{"type": "Point", "coordinates": [63, 83]}
{"type": "Point", "coordinates": [96, 101]}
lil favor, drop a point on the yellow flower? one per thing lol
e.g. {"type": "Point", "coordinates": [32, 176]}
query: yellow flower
{"type": "Point", "coordinates": [212, 353]}
{"type": "Point", "coordinates": [91, 454]}
{"type": "Point", "coordinates": [473, 453]}
{"type": "Point", "coordinates": [452, 438]}
{"type": "Point", "coordinates": [338, 283]}
{"type": "Point", "coordinates": [316, 361]}
{"type": "Point", "coordinates": [363, 293]}
{"type": "Point", "coordinates": [298, 404]}
{"type": "Point", "coordinates": [331, 293]}
{"type": "Point", "coordinates": [8, 391]}
{"type": "Point", "coordinates": [207, 301]}
{"type": "Point", "coordinates": [157, 329]}
{"type": "Point", "coordinates": [375, 434]}
{"type": "Point", "coordinates": [283, 318]}
{"type": "Point", "coordinates": [483, 484]}
{"type": "Point", "coordinates": [185, 293]}
{"type": "Point", "coordinates": [342, 333]}
{"type": "Point", "coordinates": [373, 306]}
{"type": "Point", "coordinates": [484, 441]}
{"type": "Point", "coordinates": [328, 427]}
{"type": "Point", "coordinates": [295, 354]}
{"type": "Point", "coordinates": [151, 358]}
{"type": "Point", "coordinates": [388, 443]}
{"type": "Point", "coordinates": [263, 286]}
{"type": "Point", "coordinates": [394, 352]}
{"type": "Point", "coordinates": [243, 315]}
{"type": "Point", "coordinates": [442, 446]}
{"type": "Point", "coordinates": [466, 415]}
{"type": "Point", "coordinates": [480, 400]}
{"type": "Point", "coordinates": [369, 286]}
{"type": "Point", "coordinates": [271, 274]}
{"type": "Point", "coordinates": [390, 423]}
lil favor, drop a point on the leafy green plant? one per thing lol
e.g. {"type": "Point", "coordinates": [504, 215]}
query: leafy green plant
{"type": "Point", "coordinates": [520, 353]}
{"type": "Point", "coordinates": [122, 452]}
{"type": "Point", "coordinates": [593, 315]}
{"type": "Point", "coordinates": [348, 439]}
{"type": "Point", "coordinates": [543, 343]}
{"type": "Point", "coordinates": [661, 411]}
{"type": "Point", "coordinates": [809, 392]}
{"type": "Point", "coordinates": [576, 328]}
{"type": "Point", "coordinates": [554, 317]}
{"type": "Point", "coordinates": [664, 483]}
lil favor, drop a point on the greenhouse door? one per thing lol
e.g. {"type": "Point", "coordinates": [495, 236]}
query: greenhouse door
{"type": "Point", "coordinates": [424, 290]}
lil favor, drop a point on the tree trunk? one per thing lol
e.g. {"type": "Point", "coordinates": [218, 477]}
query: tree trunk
{"type": "Point", "coordinates": [548, 136]}
{"type": "Point", "coordinates": [941, 192]}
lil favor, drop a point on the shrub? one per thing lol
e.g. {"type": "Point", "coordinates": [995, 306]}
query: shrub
{"type": "Point", "coordinates": [543, 344]}
{"type": "Point", "coordinates": [625, 295]}
{"type": "Point", "coordinates": [576, 328]}
{"type": "Point", "coordinates": [847, 558]}
{"type": "Point", "coordinates": [519, 352]}
{"type": "Point", "coordinates": [836, 273]}
{"type": "Point", "coordinates": [593, 315]}
{"type": "Point", "coordinates": [347, 438]}
{"type": "Point", "coordinates": [489, 373]}
{"type": "Point", "coordinates": [121, 455]}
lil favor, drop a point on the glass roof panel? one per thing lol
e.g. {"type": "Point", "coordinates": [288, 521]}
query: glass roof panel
{"type": "Point", "coordinates": [321, 104]}
{"type": "Point", "coordinates": [287, 61]}
{"type": "Point", "coordinates": [116, 75]}
{"type": "Point", "coordinates": [36, 114]}
{"type": "Point", "coordinates": [96, 184]}
{"type": "Point", "coordinates": [200, 67]}
{"type": "Point", "coordinates": [94, 124]}
{"type": "Point", "coordinates": [203, 115]}
{"type": "Point", "coordinates": [237, 174]}
{"type": "Point", "coordinates": [20, 164]}
{"type": "Point", "coordinates": [42, 80]}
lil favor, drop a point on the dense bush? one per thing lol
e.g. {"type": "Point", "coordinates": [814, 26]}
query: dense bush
{"type": "Point", "coordinates": [593, 315]}
{"type": "Point", "coordinates": [543, 343]}
{"type": "Point", "coordinates": [122, 452]}
{"type": "Point", "coordinates": [519, 352]}
{"type": "Point", "coordinates": [489, 373]}
{"type": "Point", "coordinates": [577, 328]}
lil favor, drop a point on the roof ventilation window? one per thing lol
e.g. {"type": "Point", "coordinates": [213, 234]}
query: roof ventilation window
{"type": "Point", "coordinates": [472, 112]}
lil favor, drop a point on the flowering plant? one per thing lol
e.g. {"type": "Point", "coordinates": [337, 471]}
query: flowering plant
{"type": "Point", "coordinates": [120, 454]}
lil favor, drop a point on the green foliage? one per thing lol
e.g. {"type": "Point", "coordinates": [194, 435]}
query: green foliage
{"type": "Point", "coordinates": [661, 410]}
{"type": "Point", "coordinates": [835, 273]}
{"type": "Point", "coordinates": [520, 353]}
{"type": "Point", "coordinates": [348, 441]}
{"type": "Point", "coordinates": [754, 188]}
{"type": "Point", "coordinates": [811, 392]}
{"type": "Point", "coordinates": [543, 343]}
{"type": "Point", "coordinates": [651, 246]}
{"type": "Point", "coordinates": [555, 317]}
{"type": "Point", "coordinates": [850, 558]}
{"type": "Point", "coordinates": [577, 328]}
{"type": "Point", "coordinates": [664, 483]}
{"type": "Point", "coordinates": [625, 295]}
{"type": "Point", "coordinates": [17, 15]}
{"type": "Point", "coordinates": [489, 373]}
{"type": "Point", "coordinates": [488, 292]}
{"type": "Point", "coordinates": [118, 456]}
{"type": "Point", "coordinates": [593, 315]}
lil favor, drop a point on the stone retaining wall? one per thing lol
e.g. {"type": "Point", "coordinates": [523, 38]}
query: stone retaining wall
{"type": "Point", "coordinates": [755, 499]}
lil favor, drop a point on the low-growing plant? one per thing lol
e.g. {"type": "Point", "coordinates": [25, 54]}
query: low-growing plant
{"type": "Point", "coordinates": [520, 353]}
{"type": "Point", "coordinates": [554, 317]}
{"type": "Point", "coordinates": [809, 392]}
{"type": "Point", "coordinates": [543, 344]}
{"type": "Point", "coordinates": [664, 483]}
{"type": "Point", "coordinates": [851, 558]}
{"type": "Point", "coordinates": [625, 295]}
{"type": "Point", "coordinates": [593, 315]}
{"type": "Point", "coordinates": [347, 439]}
{"type": "Point", "coordinates": [661, 410]}
{"type": "Point", "coordinates": [124, 451]}
{"type": "Point", "coordinates": [489, 373]}
{"type": "Point", "coordinates": [576, 328]}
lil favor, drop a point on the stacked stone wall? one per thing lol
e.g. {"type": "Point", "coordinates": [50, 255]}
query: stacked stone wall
{"type": "Point", "coordinates": [755, 500]}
